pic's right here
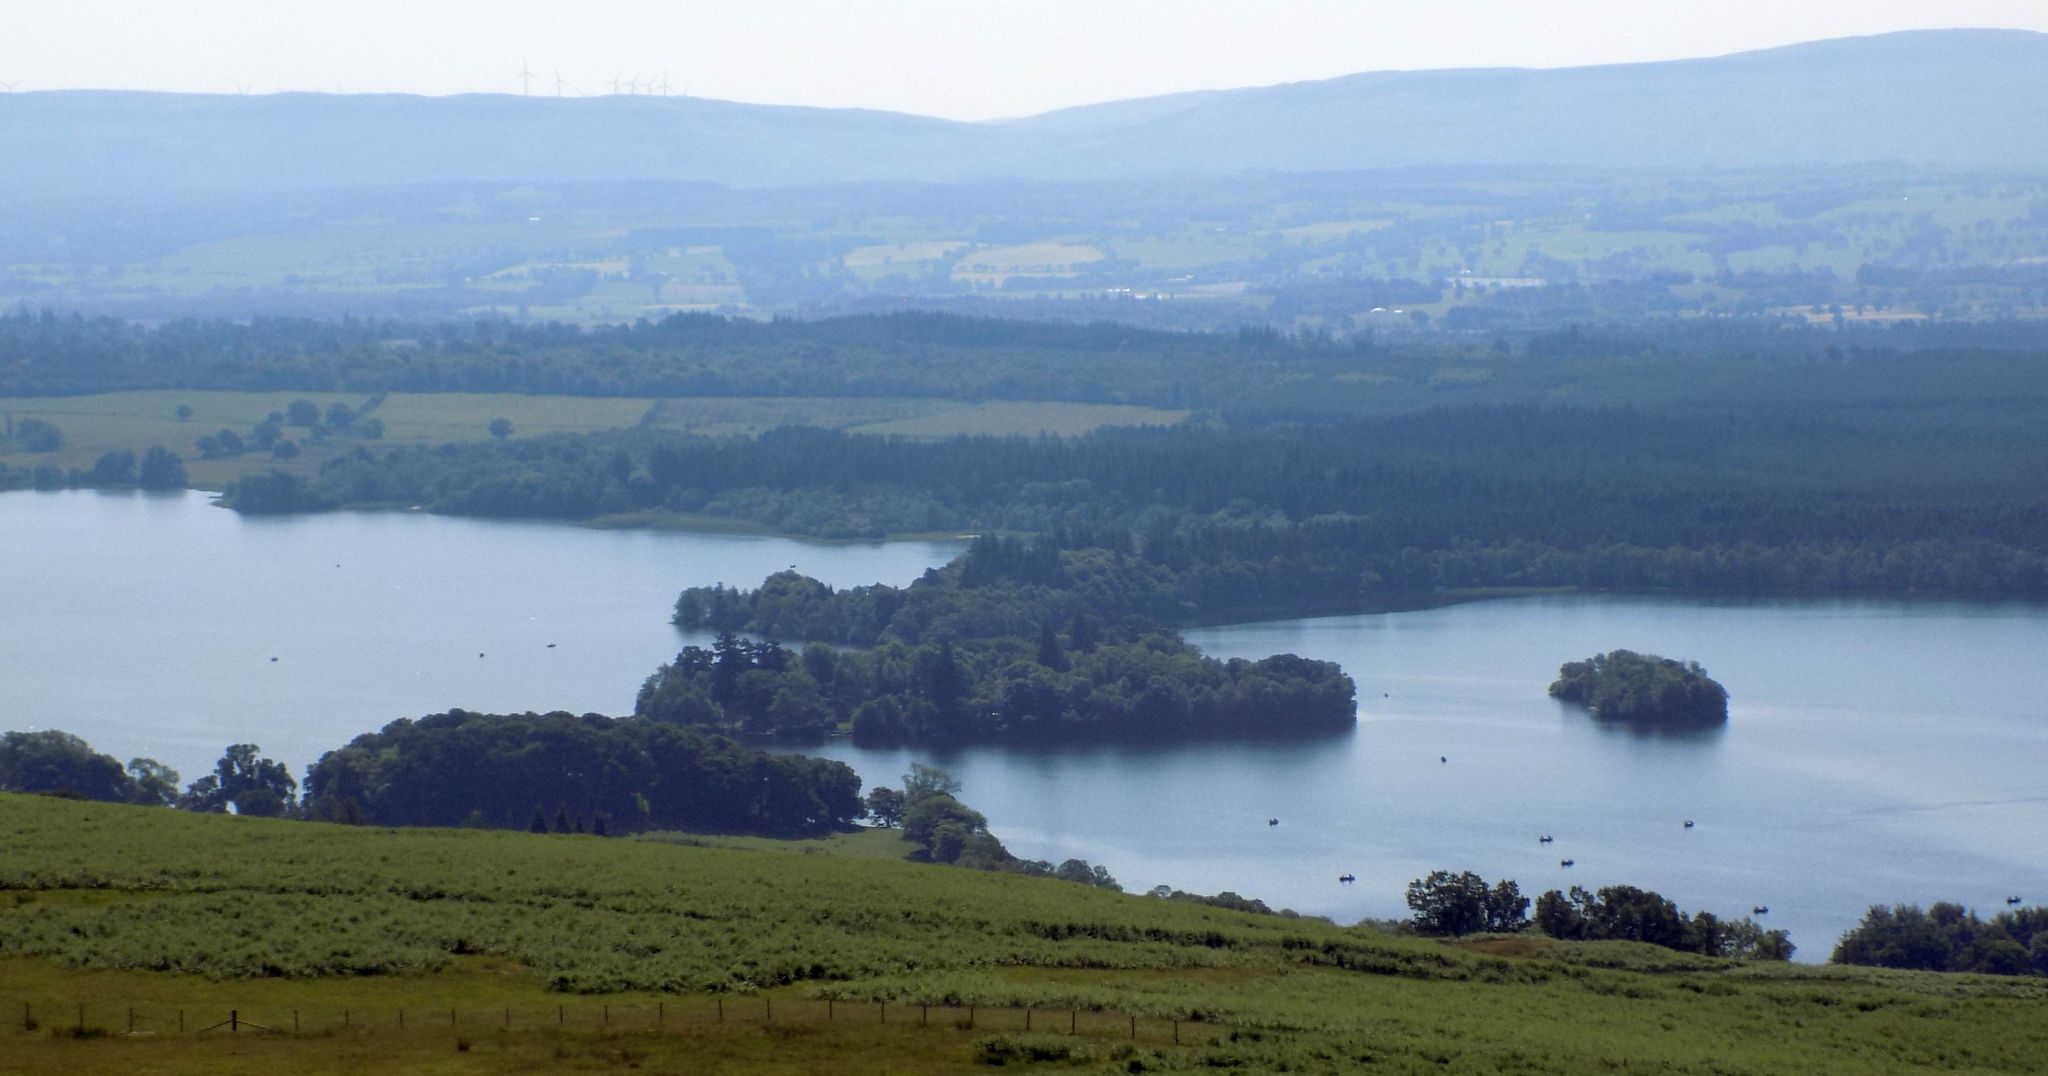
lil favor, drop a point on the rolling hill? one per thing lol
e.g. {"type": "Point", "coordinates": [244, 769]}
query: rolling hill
{"type": "Point", "coordinates": [1960, 99]}
{"type": "Point", "coordinates": [125, 930]}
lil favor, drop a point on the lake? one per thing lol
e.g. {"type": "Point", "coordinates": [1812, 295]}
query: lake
{"type": "Point", "coordinates": [147, 623]}
{"type": "Point", "coordinates": [1876, 751]}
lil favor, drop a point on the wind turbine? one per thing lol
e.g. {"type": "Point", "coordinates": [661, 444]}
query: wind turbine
{"type": "Point", "coordinates": [633, 84]}
{"type": "Point", "coordinates": [559, 82]}
{"type": "Point", "coordinates": [8, 87]}
{"type": "Point", "coordinates": [615, 85]}
{"type": "Point", "coordinates": [663, 87]}
{"type": "Point", "coordinates": [525, 77]}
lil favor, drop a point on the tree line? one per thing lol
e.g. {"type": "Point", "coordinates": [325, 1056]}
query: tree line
{"type": "Point", "coordinates": [157, 468]}
{"type": "Point", "coordinates": [624, 774]}
{"type": "Point", "coordinates": [466, 769]}
{"type": "Point", "coordinates": [928, 354]}
{"type": "Point", "coordinates": [1948, 937]}
{"type": "Point", "coordinates": [548, 773]}
{"type": "Point", "coordinates": [54, 761]}
{"type": "Point", "coordinates": [1448, 904]}
{"type": "Point", "coordinates": [1323, 517]}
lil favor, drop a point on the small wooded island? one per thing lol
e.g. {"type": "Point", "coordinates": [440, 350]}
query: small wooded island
{"type": "Point", "coordinates": [1622, 685]}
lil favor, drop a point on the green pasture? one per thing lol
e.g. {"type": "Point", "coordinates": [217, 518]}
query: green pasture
{"type": "Point", "coordinates": [505, 951]}
{"type": "Point", "coordinates": [1027, 418]}
{"type": "Point", "coordinates": [1193, 250]}
{"type": "Point", "coordinates": [135, 421]}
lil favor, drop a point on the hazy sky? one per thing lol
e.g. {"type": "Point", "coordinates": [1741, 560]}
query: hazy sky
{"type": "Point", "coordinates": [967, 59]}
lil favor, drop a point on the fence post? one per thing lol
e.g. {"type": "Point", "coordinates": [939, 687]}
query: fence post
{"type": "Point", "coordinates": [234, 1021]}
{"type": "Point", "coordinates": [769, 1008]}
{"type": "Point", "coordinates": [1134, 1027]}
{"type": "Point", "coordinates": [508, 1016]}
{"type": "Point", "coordinates": [661, 1012]}
{"type": "Point", "coordinates": [721, 1010]}
{"type": "Point", "coordinates": [970, 1018]}
{"type": "Point", "coordinates": [607, 1015]}
{"type": "Point", "coordinates": [885, 1012]}
{"type": "Point", "coordinates": [181, 1021]}
{"type": "Point", "coordinates": [1073, 1019]}
{"type": "Point", "coordinates": [401, 1018]}
{"type": "Point", "coordinates": [451, 1018]}
{"type": "Point", "coordinates": [828, 1008]}
{"type": "Point", "coordinates": [295, 1021]}
{"type": "Point", "coordinates": [924, 1013]}
{"type": "Point", "coordinates": [1027, 1017]}
{"type": "Point", "coordinates": [1176, 1031]}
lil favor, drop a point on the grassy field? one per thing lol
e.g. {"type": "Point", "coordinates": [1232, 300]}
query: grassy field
{"type": "Point", "coordinates": [507, 952]}
{"type": "Point", "coordinates": [137, 420]}
{"type": "Point", "coordinates": [134, 421]}
{"type": "Point", "coordinates": [1052, 258]}
{"type": "Point", "coordinates": [1004, 417]}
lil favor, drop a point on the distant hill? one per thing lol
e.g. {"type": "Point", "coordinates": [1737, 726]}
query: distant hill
{"type": "Point", "coordinates": [1967, 99]}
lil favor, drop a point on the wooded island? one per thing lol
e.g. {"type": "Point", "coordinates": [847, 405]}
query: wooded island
{"type": "Point", "coordinates": [1645, 689]}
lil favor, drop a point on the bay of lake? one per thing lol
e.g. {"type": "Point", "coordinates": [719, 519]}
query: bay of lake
{"type": "Point", "coordinates": [147, 623]}
{"type": "Point", "coordinates": [1876, 751]}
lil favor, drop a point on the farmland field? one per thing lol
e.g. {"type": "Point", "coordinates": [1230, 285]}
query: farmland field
{"type": "Point", "coordinates": [134, 421]}
{"type": "Point", "coordinates": [994, 265]}
{"type": "Point", "coordinates": [505, 950]}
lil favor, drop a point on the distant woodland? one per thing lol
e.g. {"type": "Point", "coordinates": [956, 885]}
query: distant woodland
{"type": "Point", "coordinates": [1317, 474]}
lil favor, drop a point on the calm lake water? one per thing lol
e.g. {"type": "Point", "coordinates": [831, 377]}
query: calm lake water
{"type": "Point", "coordinates": [146, 623]}
{"type": "Point", "coordinates": [1875, 752]}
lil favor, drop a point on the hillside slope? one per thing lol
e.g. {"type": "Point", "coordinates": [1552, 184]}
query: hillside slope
{"type": "Point", "coordinates": [112, 906]}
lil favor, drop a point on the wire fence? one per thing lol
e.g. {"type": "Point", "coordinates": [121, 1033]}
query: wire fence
{"type": "Point", "coordinates": [99, 1019]}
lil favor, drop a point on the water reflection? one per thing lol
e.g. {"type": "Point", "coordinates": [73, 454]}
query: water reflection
{"type": "Point", "coordinates": [1705, 733]}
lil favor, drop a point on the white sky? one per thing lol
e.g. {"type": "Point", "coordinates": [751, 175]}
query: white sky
{"type": "Point", "coordinates": [966, 59]}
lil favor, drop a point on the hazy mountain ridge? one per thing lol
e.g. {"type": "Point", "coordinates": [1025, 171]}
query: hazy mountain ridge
{"type": "Point", "coordinates": [1898, 97]}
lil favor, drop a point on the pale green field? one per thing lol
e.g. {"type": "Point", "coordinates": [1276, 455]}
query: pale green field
{"type": "Point", "coordinates": [993, 265]}
{"type": "Point", "coordinates": [111, 422]}
{"type": "Point", "coordinates": [863, 843]}
{"type": "Point", "coordinates": [135, 421]}
{"type": "Point", "coordinates": [893, 257]}
{"type": "Point", "coordinates": [1008, 417]}
{"type": "Point", "coordinates": [1324, 231]}
{"type": "Point", "coordinates": [1185, 252]}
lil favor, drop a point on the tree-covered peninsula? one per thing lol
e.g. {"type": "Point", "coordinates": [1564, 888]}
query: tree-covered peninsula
{"type": "Point", "coordinates": [519, 770]}
{"type": "Point", "coordinates": [1015, 639]}
{"type": "Point", "coordinates": [1644, 689]}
